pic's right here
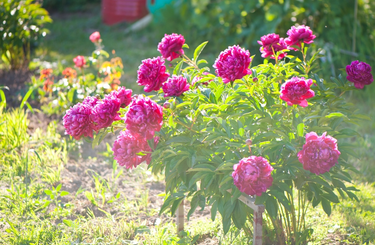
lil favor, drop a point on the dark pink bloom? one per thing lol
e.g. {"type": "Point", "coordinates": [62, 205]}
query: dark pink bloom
{"type": "Point", "coordinates": [198, 78]}
{"type": "Point", "coordinates": [298, 35]}
{"type": "Point", "coordinates": [105, 112]}
{"type": "Point", "coordinates": [127, 148]}
{"type": "Point", "coordinates": [95, 37]}
{"type": "Point", "coordinates": [252, 175]}
{"type": "Point", "coordinates": [272, 43]}
{"type": "Point", "coordinates": [79, 61]}
{"type": "Point", "coordinates": [296, 90]}
{"type": "Point", "coordinates": [233, 63]}
{"type": "Point", "coordinates": [151, 74]}
{"type": "Point", "coordinates": [91, 101]}
{"type": "Point", "coordinates": [77, 121]}
{"type": "Point", "coordinates": [175, 86]}
{"type": "Point", "coordinates": [170, 46]}
{"type": "Point", "coordinates": [144, 117]}
{"type": "Point", "coordinates": [319, 153]}
{"type": "Point", "coordinates": [124, 95]}
{"type": "Point", "coordinates": [359, 73]}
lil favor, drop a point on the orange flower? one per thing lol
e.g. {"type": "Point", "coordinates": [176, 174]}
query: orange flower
{"type": "Point", "coordinates": [45, 73]}
{"type": "Point", "coordinates": [69, 73]}
{"type": "Point", "coordinates": [47, 85]}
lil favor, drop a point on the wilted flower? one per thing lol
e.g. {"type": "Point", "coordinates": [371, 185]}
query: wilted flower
{"type": "Point", "coordinates": [170, 46]}
{"type": "Point", "coordinates": [144, 117]}
{"type": "Point", "coordinates": [175, 86]}
{"type": "Point", "coordinates": [130, 151]}
{"type": "Point", "coordinates": [151, 74]}
{"type": "Point", "coordinates": [252, 175]}
{"type": "Point", "coordinates": [124, 95]}
{"type": "Point", "coordinates": [105, 112]}
{"type": "Point", "coordinates": [296, 90]}
{"type": "Point", "coordinates": [233, 63]}
{"type": "Point", "coordinates": [298, 35]}
{"type": "Point", "coordinates": [69, 73]}
{"type": "Point", "coordinates": [271, 44]}
{"type": "Point", "coordinates": [95, 37]}
{"type": "Point", "coordinates": [319, 153]}
{"type": "Point", "coordinates": [77, 121]}
{"type": "Point", "coordinates": [359, 73]}
{"type": "Point", "coordinates": [79, 61]}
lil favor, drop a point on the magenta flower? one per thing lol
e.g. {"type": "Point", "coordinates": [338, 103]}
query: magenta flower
{"type": "Point", "coordinates": [105, 112]}
{"type": "Point", "coordinates": [95, 37]}
{"type": "Point", "coordinates": [198, 78]}
{"type": "Point", "coordinates": [233, 63]}
{"type": "Point", "coordinates": [252, 175]}
{"type": "Point", "coordinates": [144, 117]}
{"type": "Point", "coordinates": [175, 86]}
{"type": "Point", "coordinates": [77, 121]}
{"type": "Point", "coordinates": [126, 148]}
{"type": "Point", "coordinates": [124, 95]}
{"type": "Point", "coordinates": [79, 61]}
{"type": "Point", "coordinates": [272, 41]}
{"type": "Point", "coordinates": [170, 46]}
{"type": "Point", "coordinates": [91, 101]}
{"type": "Point", "coordinates": [151, 74]}
{"type": "Point", "coordinates": [296, 90]}
{"type": "Point", "coordinates": [359, 73]}
{"type": "Point", "coordinates": [319, 153]}
{"type": "Point", "coordinates": [298, 35]}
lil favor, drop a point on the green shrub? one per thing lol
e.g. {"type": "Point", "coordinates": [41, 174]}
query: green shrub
{"type": "Point", "coordinates": [21, 28]}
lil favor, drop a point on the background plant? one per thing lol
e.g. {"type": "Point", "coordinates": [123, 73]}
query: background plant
{"type": "Point", "coordinates": [21, 30]}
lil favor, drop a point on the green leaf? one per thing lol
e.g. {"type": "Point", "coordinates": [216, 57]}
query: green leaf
{"type": "Point", "coordinates": [64, 193]}
{"type": "Point", "coordinates": [58, 187]}
{"type": "Point", "coordinates": [185, 46]}
{"type": "Point", "coordinates": [239, 215]}
{"type": "Point", "coordinates": [199, 50]}
{"type": "Point", "coordinates": [271, 207]}
{"type": "Point", "coordinates": [48, 192]}
{"type": "Point", "coordinates": [326, 206]}
{"type": "Point", "coordinates": [335, 114]}
{"type": "Point", "coordinates": [300, 128]}
{"type": "Point", "coordinates": [27, 95]}
{"type": "Point", "coordinates": [68, 222]}
{"type": "Point", "coordinates": [178, 67]}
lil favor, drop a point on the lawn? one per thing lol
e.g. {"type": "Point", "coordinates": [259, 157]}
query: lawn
{"type": "Point", "coordinates": [56, 190]}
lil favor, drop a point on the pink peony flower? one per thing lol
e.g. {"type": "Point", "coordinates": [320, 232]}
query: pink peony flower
{"type": "Point", "coordinates": [105, 112]}
{"type": "Point", "coordinates": [299, 34]}
{"type": "Point", "coordinates": [175, 86]}
{"type": "Point", "coordinates": [170, 46]}
{"type": "Point", "coordinates": [124, 95]}
{"type": "Point", "coordinates": [79, 61]}
{"type": "Point", "coordinates": [126, 148]}
{"type": "Point", "coordinates": [77, 121]}
{"type": "Point", "coordinates": [272, 41]}
{"type": "Point", "coordinates": [296, 90]}
{"type": "Point", "coordinates": [359, 73]}
{"type": "Point", "coordinates": [151, 74]}
{"type": "Point", "coordinates": [197, 79]}
{"type": "Point", "coordinates": [91, 101]}
{"type": "Point", "coordinates": [95, 37]}
{"type": "Point", "coordinates": [252, 175]}
{"type": "Point", "coordinates": [233, 63]}
{"type": "Point", "coordinates": [319, 153]}
{"type": "Point", "coordinates": [144, 117]}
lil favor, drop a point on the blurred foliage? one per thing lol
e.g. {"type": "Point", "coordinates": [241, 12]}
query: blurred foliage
{"type": "Point", "coordinates": [20, 29]}
{"type": "Point", "coordinates": [243, 22]}
{"type": "Point", "coordinates": [67, 5]}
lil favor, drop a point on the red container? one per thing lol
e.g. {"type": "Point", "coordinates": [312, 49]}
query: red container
{"type": "Point", "coordinates": [115, 11]}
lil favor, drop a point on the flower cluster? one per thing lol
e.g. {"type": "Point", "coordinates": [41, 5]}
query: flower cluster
{"type": "Point", "coordinates": [94, 114]}
{"type": "Point", "coordinates": [252, 175]}
{"type": "Point", "coordinates": [296, 90]}
{"type": "Point", "coordinates": [233, 63]}
{"type": "Point", "coordinates": [319, 153]}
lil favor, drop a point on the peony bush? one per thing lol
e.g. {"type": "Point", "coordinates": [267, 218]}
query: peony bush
{"type": "Point", "coordinates": [276, 131]}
